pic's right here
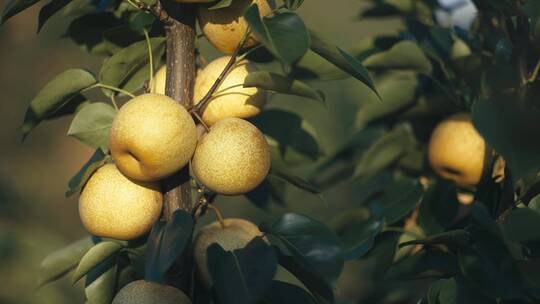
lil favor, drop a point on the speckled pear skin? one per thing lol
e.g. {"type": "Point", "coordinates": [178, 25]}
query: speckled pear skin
{"type": "Point", "coordinates": [114, 206]}
{"type": "Point", "coordinates": [142, 292]}
{"type": "Point", "coordinates": [456, 151]}
{"type": "Point", "coordinates": [231, 98]}
{"type": "Point", "coordinates": [233, 158]}
{"type": "Point", "coordinates": [152, 137]}
{"type": "Point", "coordinates": [157, 85]}
{"type": "Point", "coordinates": [237, 234]}
{"type": "Point", "coordinates": [224, 28]}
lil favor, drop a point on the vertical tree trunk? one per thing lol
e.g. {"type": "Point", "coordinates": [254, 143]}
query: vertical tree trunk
{"type": "Point", "coordinates": [180, 79]}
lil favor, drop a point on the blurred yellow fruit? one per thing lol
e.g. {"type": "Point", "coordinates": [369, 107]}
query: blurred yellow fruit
{"type": "Point", "coordinates": [457, 151]}
{"type": "Point", "coordinates": [224, 28]}
{"type": "Point", "coordinates": [232, 158]}
{"type": "Point", "coordinates": [236, 234]}
{"type": "Point", "coordinates": [114, 206]}
{"type": "Point", "coordinates": [152, 137]}
{"type": "Point", "coordinates": [231, 99]}
{"type": "Point", "coordinates": [157, 85]}
{"type": "Point", "coordinates": [142, 292]}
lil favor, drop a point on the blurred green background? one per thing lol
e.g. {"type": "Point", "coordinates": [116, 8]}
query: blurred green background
{"type": "Point", "coordinates": [36, 218]}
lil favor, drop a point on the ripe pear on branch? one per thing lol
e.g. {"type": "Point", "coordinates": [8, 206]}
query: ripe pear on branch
{"type": "Point", "coordinates": [152, 137]}
{"type": "Point", "coordinates": [115, 206]}
{"type": "Point", "coordinates": [232, 158]}
{"type": "Point", "coordinates": [224, 28]}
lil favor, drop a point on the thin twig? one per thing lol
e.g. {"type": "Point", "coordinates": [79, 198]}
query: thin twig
{"type": "Point", "coordinates": [219, 216]}
{"type": "Point", "coordinates": [104, 86]}
{"type": "Point", "coordinates": [199, 107]}
{"type": "Point", "coordinates": [150, 55]}
{"type": "Point", "coordinates": [158, 12]}
{"type": "Point", "coordinates": [199, 118]}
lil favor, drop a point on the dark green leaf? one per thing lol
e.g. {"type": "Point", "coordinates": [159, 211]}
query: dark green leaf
{"type": "Point", "coordinates": [88, 30]}
{"type": "Point", "coordinates": [95, 256]}
{"type": "Point", "coordinates": [310, 242]}
{"type": "Point", "coordinates": [59, 263]}
{"type": "Point", "coordinates": [166, 243]}
{"type": "Point", "coordinates": [13, 7]}
{"type": "Point", "coordinates": [439, 207]}
{"type": "Point", "coordinates": [100, 284]}
{"type": "Point", "coordinates": [281, 84]}
{"type": "Point", "coordinates": [47, 11]}
{"type": "Point", "coordinates": [243, 275]}
{"type": "Point", "coordinates": [57, 95]}
{"type": "Point", "coordinates": [454, 238]}
{"type": "Point", "coordinates": [77, 182]}
{"type": "Point", "coordinates": [128, 69]}
{"type": "Point", "coordinates": [293, 4]}
{"type": "Point", "coordinates": [92, 124]}
{"type": "Point", "coordinates": [522, 225]}
{"type": "Point", "coordinates": [284, 34]}
{"type": "Point", "coordinates": [454, 291]}
{"type": "Point", "coordinates": [342, 60]}
{"type": "Point", "coordinates": [285, 293]}
{"type": "Point", "coordinates": [271, 189]}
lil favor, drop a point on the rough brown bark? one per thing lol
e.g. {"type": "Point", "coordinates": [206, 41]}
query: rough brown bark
{"type": "Point", "coordinates": [180, 79]}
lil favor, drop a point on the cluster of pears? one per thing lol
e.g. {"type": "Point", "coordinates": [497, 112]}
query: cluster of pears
{"type": "Point", "coordinates": [457, 152]}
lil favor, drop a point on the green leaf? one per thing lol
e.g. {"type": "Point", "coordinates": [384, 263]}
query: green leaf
{"type": "Point", "coordinates": [59, 263]}
{"type": "Point", "coordinates": [95, 256]}
{"type": "Point", "coordinates": [454, 291]}
{"type": "Point", "coordinates": [77, 182]}
{"type": "Point", "coordinates": [439, 207]}
{"type": "Point", "coordinates": [101, 283]}
{"type": "Point", "coordinates": [285, 293]}
{"type": "Point", "coordinates": [271, 189]}
{"type": "Point", "coordinates": [92, 125]}
{"type": "Point", "coordinates": [293, 4]}
{"type": "Point", "coordinates": [311, 243]}
{"type": "Point", "coordinates": [88, 30]}
{"type": "Point", "coordinates": [522, 225]}
{"type": "Point", "coordinates": [342, 60]}
{"type": "Point", "coordinates": [281, 84]}
{"type": "Point", "coordinates": [357, 230]}
{"type": "Point", "coordinates": [284, 174]}
{"type": "Point", "coordinates": [166, 243]}
{"type": "Point", "coordinates": [47, 11]}
{"type": "Point", "coordinates": [384, 152]}
{"type": "Point", "coordinates": [405, 55]}
{"type": "Point", "coordinates": [284, 33]}
{"type": "Point", "coordinates": [454, 238]}
{"type": "Point", "coordinates": [13, 7]}
{"type": "Point", "coordinates": [220, 4]}
{"type": "Point", "coordinates": [128, 69]}
{"type": "Point", "coordinates": [242, 275]}
{"type": "Point", "coordinates": [61, 95]}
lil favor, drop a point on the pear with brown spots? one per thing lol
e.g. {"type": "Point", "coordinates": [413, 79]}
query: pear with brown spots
{"type": "Point", "coordinates": [114, 206]}
{"type": "Point", "coordinates": [142, 292]}
{"type": "Point", "coordinates": [232, 158]}
{"type": "Point", "coordinates": [152, 137]}
{"type": "Point", "coordinates": [457, 151]}
{"type": "Point", "coordinates": [225, 27]}
{"type": "Point", "coordinates": [236, 234]}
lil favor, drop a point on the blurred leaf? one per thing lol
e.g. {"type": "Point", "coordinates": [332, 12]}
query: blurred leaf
{"type": "Point", "coordinates": [92, 124]}
{"type": "Point", "coordinates": [510, 127]}
{"type": "Point", "coordinates": [384, 152]}
{"type": "Point", "coordinates": [311, 243]}
{"type": "Point", "coordinates": [61, 93]}
{"type": "Point", "coordinates": [454, 238]}
{"type": "Point", "coordinates": [77, 182]}
{"type": "Point", "coordinates": [285, 293]}
{"type": "Point", "coordinates": [405, 55]}
{"type": "Point", "coordinates": [342, 60]}
{"type": "Point", "coordinates": [357, 230]}
{"type": "Point", "coordinates": [254, 267]}
{"type": "Point", "coordinates": [281, 84]}
{"type": "Point", "coordinates": [399, 91]}
{"type": "Point", "coordinates": [290, 131]}
{"type": "Point", "coordinates": [100, 284]}
{"type": "Point", "coordinates": [454, 291]}
{"type": "Point", "coordinates": [128, 69]}
{"type": "Point", "coordinates": [522, 225]}
{"type": "Point", "coordinates": [59, 263]}
{"type": "Point", "coordinates": [381, 257]}
{"type": "Point", "coordinates": [284, 174]}
{"type": "Point", "coordinates": [48, 10]}
{"type": "Point", "coordinates": [293, 4]}
{"type": "Point", "coordinates": [426, 261]}
{"type": "Point", "coordinates": [318, 286]}
{"type": "Point", "coordinates": [283, 33]}
{"type": "Point", "coordinates": [13, 7]}
{"type": "Point", "coordinates": [270, 189]}
{"type": "Point", "coordinates": [87, 31]}
{"type": "Point", "coordinates": [439, 207]}
{"type": "Point", "coordinates": [166, 243]}
{"type": "Point", "coordinates": [95, 256]}
{"type": "Point", "coordinates": [220, 4]}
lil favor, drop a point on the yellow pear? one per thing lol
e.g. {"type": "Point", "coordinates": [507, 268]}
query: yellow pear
{"type": "Point", "coordinates": [157, 85]}
{"type": "Point", "coordinates": [114, 206]}
{"type": "Point", "coordinates": [142, 292]}
{"type": "Point", "coordinates": [456, 151]}
{"type": "Point", "coordinates": [232, 158]}
{"type": "Point", "coordinates": [224, 28]}
{"type": "Point", "coordinates": [231, 99]}
{"type": "Point", "coordinates": [236, 234]}
{"type": "Point", "coordinates": [152, 137]}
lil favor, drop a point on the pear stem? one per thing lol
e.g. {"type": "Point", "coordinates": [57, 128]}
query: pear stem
{"type": "Point", "coordinates": [219, 216]}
